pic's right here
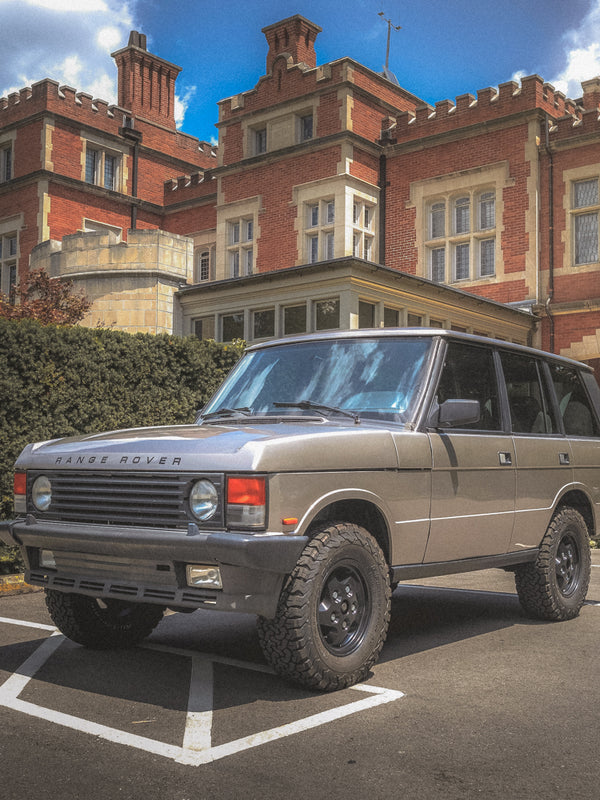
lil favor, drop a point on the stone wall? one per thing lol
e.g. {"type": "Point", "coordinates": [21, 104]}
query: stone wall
{"type": "Point", "coordinates": [130, 283]}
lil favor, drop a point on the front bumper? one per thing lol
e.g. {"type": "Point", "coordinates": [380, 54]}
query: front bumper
{"type": "Point", "coordinates": [148, 565]}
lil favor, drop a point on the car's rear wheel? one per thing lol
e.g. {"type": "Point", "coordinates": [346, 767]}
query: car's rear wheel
{"type": "Point", "coordinates": [555, 585]}
{"type": "Point", "coordinates": [101, 624]}
{"type": "Point", "coordinates": [333, 613]}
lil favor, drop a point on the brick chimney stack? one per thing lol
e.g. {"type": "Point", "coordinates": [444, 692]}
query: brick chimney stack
{"type": "Point", "coordinates": [146, 82]}
{"type": "Point", "coordinates": [293, 38]}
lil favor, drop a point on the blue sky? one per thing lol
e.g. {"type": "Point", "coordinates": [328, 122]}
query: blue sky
{"type": "Point", "coordinates": [445, 47]}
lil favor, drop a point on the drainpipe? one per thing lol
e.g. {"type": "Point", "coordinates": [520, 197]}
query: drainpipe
{"type": "Point", "coordinates": [134, 137]}
{"type": "Point", "coordinates": [550, 297]}
{"type": "Point", "coordinates": [382, 206]}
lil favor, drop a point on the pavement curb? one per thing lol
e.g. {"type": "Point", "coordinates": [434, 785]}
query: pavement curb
{"type": "Point", "coordinates": [15, 584]}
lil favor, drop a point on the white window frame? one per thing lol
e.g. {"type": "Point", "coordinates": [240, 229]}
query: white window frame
{"type": "Point", "coordinates": [97, 175]}
{"type": "Point", "coordinates": [465, 222]}
{"type": "Point", "coordinates": [240, 246]}
{"type": "Point", "coordinates": [9, 257]}
{"type": "Point", "coordinates": [363, 237]}
{"type": "Point", "coordinates": [319, 219]}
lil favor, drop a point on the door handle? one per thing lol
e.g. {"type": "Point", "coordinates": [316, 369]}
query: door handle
{"type": "Point", "coordinates": [564, 459]}
{"type": "Point", "coordinates": [505, 459]}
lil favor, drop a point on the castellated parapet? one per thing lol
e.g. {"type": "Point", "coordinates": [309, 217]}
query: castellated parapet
{"type": "Point", "coordinates": [490, 103]}
{"type": "Point", "coordinates": [131, 284]}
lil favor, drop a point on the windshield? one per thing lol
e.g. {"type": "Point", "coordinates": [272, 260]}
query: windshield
{"type": "Point", "coordinates": [376, 378]}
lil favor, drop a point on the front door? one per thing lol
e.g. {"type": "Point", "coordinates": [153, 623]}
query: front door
{"type": "Point", "coordinates": [473, 477]}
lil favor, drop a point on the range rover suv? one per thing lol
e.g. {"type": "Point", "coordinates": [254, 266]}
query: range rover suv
{"type": "Point", "coordinates": [325, 470]}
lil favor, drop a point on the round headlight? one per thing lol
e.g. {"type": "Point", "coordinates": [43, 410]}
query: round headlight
{"type": "Point", "coordinates": [204, 499]}
{"type": "Point", "coordinates": [41, 493]}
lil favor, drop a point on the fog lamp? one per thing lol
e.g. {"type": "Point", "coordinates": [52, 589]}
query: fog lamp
{"type": "Point", "coordinates": [206, 575]}
{"type": "Point", "coordinates": [47, 559]}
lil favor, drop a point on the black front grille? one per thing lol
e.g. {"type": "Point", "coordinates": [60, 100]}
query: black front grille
{"type": "Point", "coordinates": [157, 500]}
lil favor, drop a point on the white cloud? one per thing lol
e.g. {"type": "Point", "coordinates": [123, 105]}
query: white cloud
{"type": "Point", "coordinates": [582, 54]}
{"type": "Point", "coordinates": [67, 41]}
{"type": "Point", "coordinates": [182, 103]}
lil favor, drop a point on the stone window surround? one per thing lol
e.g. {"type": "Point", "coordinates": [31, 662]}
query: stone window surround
{"type": "Point", "coordinates": [570, 177]}
{"type": "Point", "coordinates": [7, 142]}
{"type": "Point", "coordinates": [282, 126]}
{"type": "Point", "coordinates": [450, 187]}
{"type": "Point", "coordinates": [9, 227]}
{"type": "Point", "coordinates": [247, 209]}
{"type": "Point", "coordinates": [344, 190]}
{"type": "Point", "coordinates": [106, 146]}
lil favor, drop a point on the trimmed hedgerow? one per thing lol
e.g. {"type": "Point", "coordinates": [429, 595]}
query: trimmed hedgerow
{"type": "Point", "coordinates": [62, 381]}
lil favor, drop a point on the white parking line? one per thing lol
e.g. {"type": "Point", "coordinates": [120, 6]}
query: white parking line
{"type": "Point", "coordinates": [197, 746]}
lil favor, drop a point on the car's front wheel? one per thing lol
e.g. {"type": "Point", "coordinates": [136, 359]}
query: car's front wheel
{"type": "Point", "coordinates": [333, 613]}
{"type": "Point", "coordinates": [555, 585]}
{"type": "Point", "coordinates": [101, 624]}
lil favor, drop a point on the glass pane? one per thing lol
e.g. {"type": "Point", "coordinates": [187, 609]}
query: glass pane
{"type": "Point", "coordinates": [368, 244]}
{"type": "Point", "coordinates": [461, 265]}
{"type": "Point", "coordinates": [414, 320]}
{"type": "Point", "coordinates": [306, 124]}
{"type": "Point", "coordinates": [313, 249]}
{"type": "Point", "coordinates": [264, 323]}
{"type": "Point", "coordinates": [294, 319]}
{"type": "Point", "coordinates": [109, 172]}
{"type": "Point", "coordinates": [469, 374]}
{"type": "Point", "coordinates": [487, 211]}
{"type": "Point", "coordinates": [233, 326]}
{"type": "Point", "coordinates": [205, 328]}
{"type": "Point", "coordinates": [249, 260]}
{"type": "Point", "coordinates": [585, 193]}
{"type": "Point", "coordinates": [437, 220]}
{"type": "Point", "coordinates": [330, 212]}
{"type": "Point", "coordinates": [575, 408]}
{"type": "Point", "coordinates": [438, 265]}
{"type": "Point", "coordinates": [461, 215]}
{"type": "Point", "coordinates": [12, 245]}
{"type": "Point", "coordinates": [234, 232]}
{"type": "Point", "coordinates": [249, 230]}
{"type": "Point", "coordinates": [313, 216]}
{"type": "Point", "coordinates": [91, 160]}
{"type": "Point", "coordinates": [370, 377]}
{"type": "Point", "coordinates": [487, 256]}
{"type": "Point", "coordinates": [391, 318]}
{"type": "Point", "coordinates": [530, 408]}
{"type": "Point", "coordinates": [204, 266]}
{"type": "Point", "coordinates": [327, 314]}
{"type": "Point", "coordinates": [366, 315]}
{"type": "Point", "coordinates": [586, 238]}
{"type": "Point", "coordinates": [356, 245]}
{"type": "Point", "coordinates": [234, 263]}
{"type": "Point", "coordinates": [329, 243]}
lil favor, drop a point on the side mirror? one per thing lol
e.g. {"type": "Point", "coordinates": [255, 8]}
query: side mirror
{"type": "Point", "coordinates": [455, 414]}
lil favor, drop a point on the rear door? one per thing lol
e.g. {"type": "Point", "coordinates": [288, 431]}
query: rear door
{"type": "Point", "coordinates": [543, 456]}
{"type": "Point", "coordinates": [473, 477]}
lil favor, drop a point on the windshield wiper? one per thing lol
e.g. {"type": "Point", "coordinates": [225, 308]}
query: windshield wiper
{"type": "Point", "coordinates": [244, 411]}
{"type": "Point", "coordinates": [310, 406]}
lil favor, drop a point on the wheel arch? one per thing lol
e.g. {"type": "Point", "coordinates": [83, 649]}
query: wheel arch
{"type": "Point", "coordinates": [579, 500]}
{"type": "Point", "coordinates": [360, 511]}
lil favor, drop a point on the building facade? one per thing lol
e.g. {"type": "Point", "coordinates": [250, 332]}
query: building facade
{"type": "Point", "coordinates": [335, 198]}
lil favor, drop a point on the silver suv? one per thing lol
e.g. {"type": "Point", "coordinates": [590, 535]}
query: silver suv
{"type": "Point", "coordinates": [325, 470]}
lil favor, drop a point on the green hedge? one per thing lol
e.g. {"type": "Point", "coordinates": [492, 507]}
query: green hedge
{"type": "Point", "coordinates": [61, 381]}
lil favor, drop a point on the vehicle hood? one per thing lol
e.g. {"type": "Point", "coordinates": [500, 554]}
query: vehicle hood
{"type": "Point", "coordinates": [264, 447]}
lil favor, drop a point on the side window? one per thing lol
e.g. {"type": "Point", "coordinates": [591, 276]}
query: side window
{"type": "Point", "coordinates": [576, 410]}
{"type": "Point", "coordinates": [528, 400]}
{"type": "Point", "coordinates": [469, 374]}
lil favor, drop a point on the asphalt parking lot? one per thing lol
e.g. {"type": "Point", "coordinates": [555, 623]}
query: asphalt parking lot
{"type": "Point", "coordinates": [469, 699]}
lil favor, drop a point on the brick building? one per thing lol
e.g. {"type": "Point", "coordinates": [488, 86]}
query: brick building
{"type": "Point", "coordinates": [335, 198]}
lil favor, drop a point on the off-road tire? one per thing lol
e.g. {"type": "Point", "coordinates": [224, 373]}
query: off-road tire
{"type": "Point", "coordinates": [333, 612]}
{"type": "Point", "coordinates": [101, 624]}
{"type": "Point", "coordinates": [555, 585]}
